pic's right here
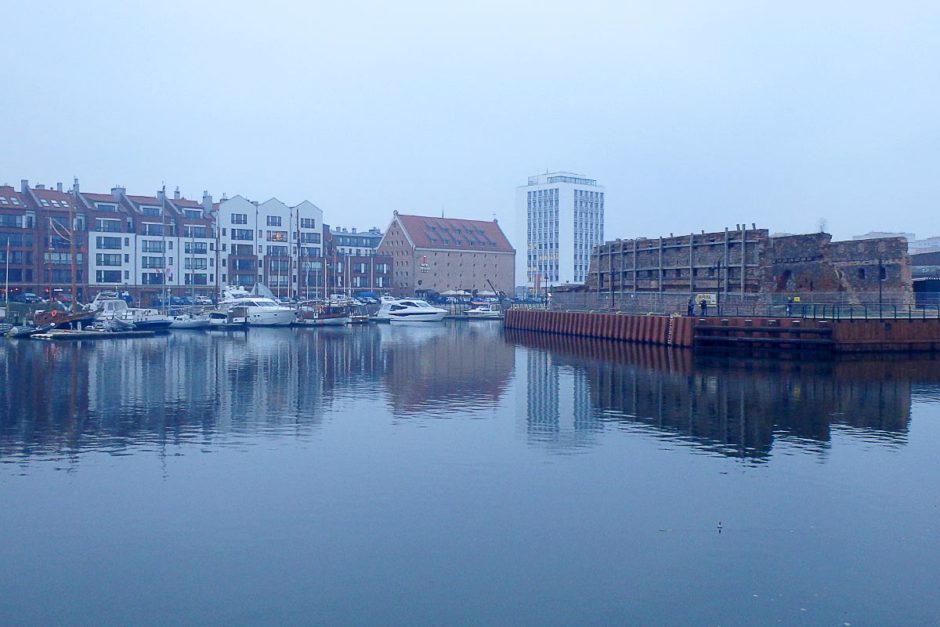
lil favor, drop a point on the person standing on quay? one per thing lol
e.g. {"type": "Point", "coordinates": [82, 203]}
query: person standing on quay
{"type": "Point", "coordinates": [704, 306]}
{"type": "Point", "coordinates": [690, 310]}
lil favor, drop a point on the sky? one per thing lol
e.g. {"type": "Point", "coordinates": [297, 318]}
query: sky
{"type": "Point", "coordinates": [693, 115]}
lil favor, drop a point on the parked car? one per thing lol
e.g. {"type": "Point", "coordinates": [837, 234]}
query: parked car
{"type": "Point", "coordinates": [26, 297]}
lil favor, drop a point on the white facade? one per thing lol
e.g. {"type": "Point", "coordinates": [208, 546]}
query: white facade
{"type": "Point", "coordinates": [261, 243]}
{"type": "Point", "coordinates": [561, 218]}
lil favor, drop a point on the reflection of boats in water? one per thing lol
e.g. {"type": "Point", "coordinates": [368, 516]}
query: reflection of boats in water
{"type": "Point", "coordinates": [484, 311]}
{"type": "Point", "coordinates": [261, 310]}
{"type": "Point", "coordinates": [408, 310]}
{"type": "Point", "coordinates": [317, 314]}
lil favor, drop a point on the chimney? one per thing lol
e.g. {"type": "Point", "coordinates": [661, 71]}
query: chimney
{"type": "Point", "coordinates": [24, 186]}
{"type": "Point", "coordinates": [75, 185]}
{"type": "Point", "coordinates": [176, 193]}
{"type": "Point", "coordinates": [206, 200]}
{"type": "Point", "coordinates": [58, 187]}
{"type": "Point", "coordinates": [161, 195]}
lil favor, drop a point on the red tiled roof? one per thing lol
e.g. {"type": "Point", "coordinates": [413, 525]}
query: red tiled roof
{"type": "Point", "coordinates": [99, 197]}
{"type": "Point", "coordinates": [145, 200]}
{"type": "Point", "coordinates": [63, 198]}
{"type": "Point", "coordinates": [9, 193]}
{"type": "Point", "coordinates": [185, 202]}
{"type": "Point", "coordinates": [454, 234]}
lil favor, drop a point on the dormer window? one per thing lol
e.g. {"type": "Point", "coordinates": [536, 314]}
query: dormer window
{"type": "Point", "coordinates": [150, 211]}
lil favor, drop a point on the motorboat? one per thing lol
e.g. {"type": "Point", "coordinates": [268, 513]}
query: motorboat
{"type": "Point", "coordinates": [484, 311]}
{"type": "Point", "coordinates": [26, 330]}
{"type": "Point", "coordinates": [234, 318]}
{"type": "Point", "coordinates": [317, 314]}
{"type": "Point", "coordinates": [414, 310]}
{"type": "Point", "coordinates": [385, 307]}
{"type": "Point", "coordinates": [190, 321]}
{"type": "Point", "coordinates": [110, 307]}
{"type": "Point", "coordinates": [261, 310]}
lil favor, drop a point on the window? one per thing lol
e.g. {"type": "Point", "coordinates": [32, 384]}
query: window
{"type": "Point", "coordinates": [151, 246]}
{"type": "Point", "coordinates": [277, 236]}
{"type": "Point", "coordinates": [198, 263]}
{"type": "Point", "coordinates": [108, 243]}
{"type": "Point", "coordinates": [151, 262]}
{"type": "Point", "coordinates": [239, 218]}
{"type": "Point", "coordinates": [277, 251]}
{"type": "Point", "coordinates": [152, 278]}
{"type": "Point", "coordinates": [243, 250]}
{"type": "Point", "coordinates": [108, 276]}
{"type": "Point", "coordinates": [195, 248]}
{"type": "Point", "coordinates": [107, 226]}
{"type": "Point", "coordinates": [242, 234]}
{"type": "Point", "coordinates": [151, 211]}
{"type": "Point", "coordinates": [104, 259]}
{"type": "Point", "coordinates": [195, 231]}
{"type": "Point", "coordinates": [106, 206]}
{"type": "Point", "coordinates": [153, 229]}
{"type": "Point", "coordinates": [308, 223]}
{"type": "Point", "coordinates": [309, 238]}
{"type": "Point", "coordinates": [192, 214]}
{"type": "Point", "coordinates": [274, 221]}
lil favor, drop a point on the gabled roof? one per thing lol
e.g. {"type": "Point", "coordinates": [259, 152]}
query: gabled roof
{"type": "Point", "coordinates": [150, 201]}
{"type": "Point", "coordinates": [100, 197]}
{"type": "Point", "coordinates": [9, 193]}
{"type": "Point", "coordinates": [52, 198]}
{"type": "Point", "coordinates": [455, 234]}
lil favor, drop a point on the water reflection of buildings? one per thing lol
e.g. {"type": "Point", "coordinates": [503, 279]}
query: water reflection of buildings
{"type": "Point", "coordinates": [60, 398]}
{"type": "Point", "coordinates": [442, 369]}
{"type": "Point", "coordinates": [736, 407]}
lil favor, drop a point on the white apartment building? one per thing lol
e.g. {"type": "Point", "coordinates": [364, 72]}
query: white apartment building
{"type": "Point", "coordinates": [268, 243]}
{"type": "Point", "coordinates": [561, 219]}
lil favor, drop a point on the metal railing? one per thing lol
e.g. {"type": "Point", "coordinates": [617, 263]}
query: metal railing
{"type": "Point", "coordinates": [819, 306]}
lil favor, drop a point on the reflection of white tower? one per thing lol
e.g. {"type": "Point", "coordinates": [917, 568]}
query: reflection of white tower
{"type": "Point", "coordinates": [542, 408]}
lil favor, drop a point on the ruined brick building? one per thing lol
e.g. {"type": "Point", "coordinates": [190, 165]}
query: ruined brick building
{"type": "Point", "coordinates": [747, 265]}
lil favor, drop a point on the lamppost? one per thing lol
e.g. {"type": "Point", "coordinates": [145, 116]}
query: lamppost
{"type": "Point", "coordinates": [880, 291]}
{"type": "Point", "coordinates": [718, 296]}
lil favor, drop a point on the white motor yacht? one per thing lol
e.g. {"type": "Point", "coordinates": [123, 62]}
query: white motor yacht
{"type": "Point", "coordinates": [261, 311]}
{"type": "Point", "coordinates": [413, 310]}
{"type": "Point", "coordinates": [485, 311]}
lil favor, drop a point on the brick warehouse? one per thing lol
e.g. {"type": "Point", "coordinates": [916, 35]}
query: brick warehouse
{"type": "Point", "coordinates": [749, 265]}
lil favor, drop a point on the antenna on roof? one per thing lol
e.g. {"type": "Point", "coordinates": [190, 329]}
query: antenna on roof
{"type": "Point", "coordinates": [442, 211]}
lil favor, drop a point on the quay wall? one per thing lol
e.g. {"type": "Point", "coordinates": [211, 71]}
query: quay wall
{"type": "Point", "coordinates": [894, 335]}
{"type": "Point", "coordinates": [649, 329]}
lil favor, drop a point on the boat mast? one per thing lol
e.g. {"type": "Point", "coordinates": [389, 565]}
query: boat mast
{"type": "Point", "coordinates": [74, 268]}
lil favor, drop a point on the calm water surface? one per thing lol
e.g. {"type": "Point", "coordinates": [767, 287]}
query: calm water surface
{"type": "Point", "coordinates": [455, 474]}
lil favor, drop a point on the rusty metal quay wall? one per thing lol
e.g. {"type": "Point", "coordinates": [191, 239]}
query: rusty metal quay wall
{"type": "Point", "coordinates": [650, 329]}
{"type": "Point", "coordinates": [770, 333]}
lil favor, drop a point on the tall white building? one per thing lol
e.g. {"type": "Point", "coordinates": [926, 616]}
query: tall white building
{"type": "Point", "coordinates": [271, 243]}
{"type": "Point", "coordinates": [561, 218]}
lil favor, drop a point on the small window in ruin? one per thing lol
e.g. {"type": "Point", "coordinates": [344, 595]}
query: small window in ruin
{"type": "Point", "coordinates": [884, 273]}
{"type": "Point", "coordinates": [861, 273]}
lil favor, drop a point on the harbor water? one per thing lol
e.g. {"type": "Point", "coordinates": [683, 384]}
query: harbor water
{"type": "Point", "coordinates": [457, 473]}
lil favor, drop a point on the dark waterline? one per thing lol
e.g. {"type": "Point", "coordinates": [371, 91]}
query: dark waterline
{"type": "Point", "coordinates": [457, 474]}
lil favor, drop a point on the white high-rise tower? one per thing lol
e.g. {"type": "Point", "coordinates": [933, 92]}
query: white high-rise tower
{"type": "Point", "coordinates": [561, 219]}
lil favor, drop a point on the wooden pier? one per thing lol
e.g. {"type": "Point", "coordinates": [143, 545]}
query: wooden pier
{"type": "Point", "coordinates": [754, 332]}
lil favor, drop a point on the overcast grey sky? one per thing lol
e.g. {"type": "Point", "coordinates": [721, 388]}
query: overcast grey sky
{"type": "Point", "coordinates": [694, 115]}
